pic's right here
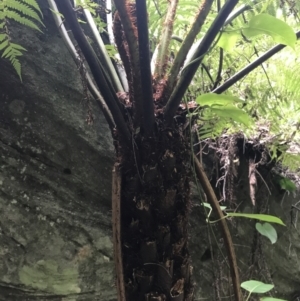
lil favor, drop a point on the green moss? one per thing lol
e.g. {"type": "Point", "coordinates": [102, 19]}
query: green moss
{"type": "Point", "coordinates": [45, 275]}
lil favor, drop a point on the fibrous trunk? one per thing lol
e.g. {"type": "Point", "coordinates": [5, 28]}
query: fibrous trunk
{"type": "Point", "coordinates": [154, 206]}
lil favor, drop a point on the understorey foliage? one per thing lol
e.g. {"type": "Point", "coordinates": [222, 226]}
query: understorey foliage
{"type": "Point", "coordinates": [164, 72]}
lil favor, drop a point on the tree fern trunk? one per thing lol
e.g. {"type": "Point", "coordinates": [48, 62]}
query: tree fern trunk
{"type": "Point", "coordinates": [154, 217]}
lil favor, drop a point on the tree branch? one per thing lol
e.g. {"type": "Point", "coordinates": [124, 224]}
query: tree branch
{"type": "Point", "coordinates": [109, 21]}
{"type": "Point", "coordinates": [221, 55]}
{"type": "Point", "coordinates": [92, 88]}
{"type": "Point", "coordinates": [102, 83]}
{"type": "Point", "coordinates": [145, 67]}
{"type": "Point", "coordinates": [213, 201]}
{"type": "Point", "coordinates": [126, 14]}
{"type": "Point", "coordinates": [186, 78]}
{"type": "Point", "coordinates": [129, 31]}
{"type": "Point", "coordinates": [245, 71]}
{"type": "Point", "coordinates": [104, 57]}
{"type": "Point", "coordinates": [186, 46]}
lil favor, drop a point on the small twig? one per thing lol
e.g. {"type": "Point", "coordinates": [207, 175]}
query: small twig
{"type": "Point", "coordinates": [266, 74]}
{"type": "Point", "coordinates": [219, 76]}
{"type": "Point", "coordinates": [157, 8]}
{"type": "Point", "coordinates": [263, 181]}
{"type": "Point", "coordinates": [295, 206]}
{"type": "Point", "coordinates": [207, 72]}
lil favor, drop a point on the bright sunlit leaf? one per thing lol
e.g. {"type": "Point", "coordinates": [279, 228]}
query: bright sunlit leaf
{"type": "Point", "coordinates": [254, 286]}
{"type": "Point", "coordinates": [228, 40]}
{"type": "Point", "coordinates": [267, 230]}
{"type": "Point", "coordinates": [287, 184]}
{"type": "Point", "coordinates": [261, 217]}
{"type": "Point", "coordinates": [233, 113]}
{"type": "Point", "coordinates": [210, 99]}
{"type": "Point", "coordinates": [266, 24]}
{"type": "Point", "coordinates": [271, 299]}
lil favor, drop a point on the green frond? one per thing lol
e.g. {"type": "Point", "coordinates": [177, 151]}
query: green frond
{"type": "Point", "coordinates": [12, 51]}
{"type": "Point", "coordinates": [24, 12]}
{"type": "Point", "coordinates": [22, 7]}
{"type": "Point", "coordinates": [4, 44]}
{"type": "Point", "coordinates": [33, 4]}
{"type": "Point", "coordinates": [17, 66]}
{"type": "Point", "coordinates": [21, 19]}
{"type": "Point", "coordinates": [291, 160]}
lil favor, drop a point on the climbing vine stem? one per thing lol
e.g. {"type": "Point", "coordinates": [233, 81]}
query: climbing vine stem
{"type": "Point", "coordinates": [213, 201]}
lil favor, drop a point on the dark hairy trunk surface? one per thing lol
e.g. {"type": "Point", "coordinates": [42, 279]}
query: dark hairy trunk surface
{"type": "Point", "coordinates": [154, 203]}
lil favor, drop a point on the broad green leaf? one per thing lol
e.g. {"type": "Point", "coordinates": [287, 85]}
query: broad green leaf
{"type": "Point", "coordinates": [206, 205]}
{"type": "Point", "coordinates": [234, 113]}
{"type": "Point", "coordinates": [271, 299]}
{"type": "Point", "coordinates": [266, 24]}
{"type": "Point", "coordinates": [210, 99]}
{"type": "Point", "coordinates": [228, 40]}
{"type": "Point", "coordinates": [287, 184]}
{"type": "Point", "coordinates": [261, 217]}
{"type": "Point", "coordinates": [267, 230]}
{"type": "Point", "coordinates": [223, 208]}
{"type": "Point", "coordinates": [254, 286]}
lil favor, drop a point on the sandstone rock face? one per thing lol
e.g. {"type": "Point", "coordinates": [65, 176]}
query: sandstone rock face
{"type": "Point", "coordinates": [55, 179]}
{"type": "Point", "coordinates": [55, 184]}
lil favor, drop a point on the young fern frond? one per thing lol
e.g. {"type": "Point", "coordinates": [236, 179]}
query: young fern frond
{"type": "Point", "coordinates": [24, 12]}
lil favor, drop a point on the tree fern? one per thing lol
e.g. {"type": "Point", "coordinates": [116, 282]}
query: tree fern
{"type": "Point", "coordinates": [24, 12]}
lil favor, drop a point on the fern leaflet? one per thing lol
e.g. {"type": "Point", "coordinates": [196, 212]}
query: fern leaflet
{"type": "Point", "coordinates": [24, 12]}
